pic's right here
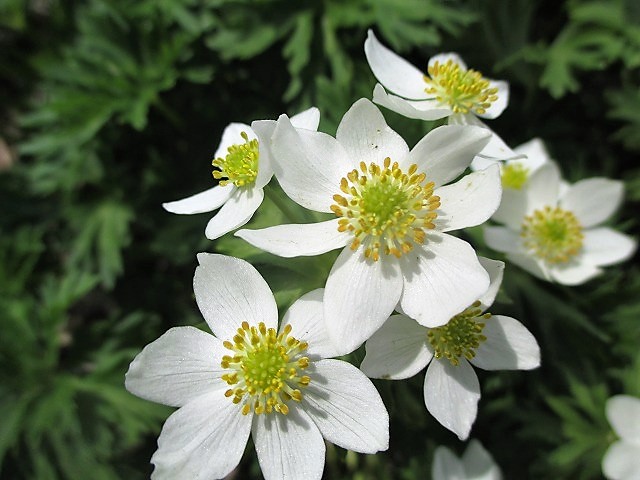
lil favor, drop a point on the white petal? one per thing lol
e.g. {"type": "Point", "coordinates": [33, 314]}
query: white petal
{"type": "Point", "coordinates": [359, 296]}
{"type": "Point", "coordinates": [451, 394]}
{"type": "Point", "coordinates": [366, 137]}
{"type": "Point", "coordinates": [416, 109]}
{"type": "Point", "coordinates": [544, 188]}
{"type": "Point", "coordinates": [346, 407]}
{"type": "Point", "coordinates": [623, 413]}
{"type": "Point", "coordinates": [289, 446]}
{"type": "Point", "coordinates": [530, 264]}
{"type": "Point", "coordinates": [308, 165]}
{"type": "Point", "coordinates": [393, 71]}
{"type": "Point", "coordinates": [495, 269]}
{"type": "Point", "coordinates": [236, 212]}
{"type": "Point", "coordinates": [441, 279]}
{"type": "Point", "coordinates": [204, 439]}
{"type": "Point", "coordinates": [180, 365]}
{"type": "Point", "coordinates": [445, 152]}
{"type": "Point", "coordinates": [502, 239]}
{"type": "Point", "coordinates": [536, 153]}
{"type": "Point", "coordinates": [229, 291]}
{"type": "Point", "coordinates": [512, 209]}
{"type": "Point", "coordinates": [264, 131]}
{"type": "Point", "coordinates": [509, 346]}
{"type": "Point", "coordinates": [605, 246]}
{"type": "Point", "coordinates": [446, 466]}
{"type": "Point", "coordinates": [398, 350]}
{"type": "Point", "coordinates": [622, 462]}
{"type": "Point", "coordinates": [306, 317]}
{"type": "Point", "coordinates": [306, 239]}
{"type": "Point", "coordinates": [593, 200]}
{"type": "Point", "coordinates": [308, 119]}
{"type": "Point", "coordinates": [201, 202]}
{"type": "Point", "coordinates": [495, 150]}
{"type": "Point", "coordinates": [501, 102]}
{"type": "Point", "coordinates": [232, 136]}
{"type": "Point", "coordinates": [470, 201]}
{"type": "Point", "coordinates": [443, 58]}
{"type": "Point", "coordinates": [478, 463]}
{"type": "Point", "coordinates": [575, 272]}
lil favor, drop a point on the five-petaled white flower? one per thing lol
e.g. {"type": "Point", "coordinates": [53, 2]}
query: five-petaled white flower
{"type": "Point", "coordinates": [476, 464]}
{"type": "Point", "coordinates": [622, 460]}
{"type": "Point", "coordinates": [552, 231]}
{"type": "Point", "coordinates": [252, 377]}
{"type": "Point", "coordinates": [402, 348]}
{"type": "Point", "coordinates": [392, 212]}
{"type": "Point", "coordinates": [448, 89]}
{"type": "Point", "coordinates": [243, 168]}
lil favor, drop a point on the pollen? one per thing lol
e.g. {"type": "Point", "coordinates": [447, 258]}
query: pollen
{"type": "Point", "coordinates": [265, 369]}
{"type": "Point", "coordinates": [387, 210]}
{"type": "Point", "coordinates": [461, 336]}
{"type": "Point", "coordinates": [463, 90]}
{"type": "Point", "coordinates": [552, 234]}
{"type": "Point", "coordinates": [240, 166]}
{"type": "Point", "coordinates": [514, 175]}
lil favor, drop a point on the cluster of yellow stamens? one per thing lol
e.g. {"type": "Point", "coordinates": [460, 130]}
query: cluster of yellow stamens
{"type": "Point", "coordinates": [463, 90]}
{"type": "Point", "coordinates": [552, 234]}
{"type": "Point", "coordinates": [514, 175]}
{"type": "Point", "coordinates": [461, 336]}
{"type": "Point", "coordinates": [386, 209]}
{"type": "Point", "coordinates": [240, 166]}
{"type": "Point", "coordinates": [265, 369]}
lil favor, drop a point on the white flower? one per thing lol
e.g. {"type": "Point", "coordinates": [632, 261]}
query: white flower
{"type": "Point", "coordinates": [243, 168]}
{"type": "Point", "coordinates": [392, 212]}
{"type": "Point", "coordinates": [402, 348]}
{"type": "Point", "coordinates": [251, 378]}
{"type": "Point", "coordinates": [553, 232]}
{"type": "Point", "coordinates": [516, 173]}
{"type": "Point", "coordinates": [476, 464]}
{"type": "Point", "coordinates": [448, 89]}
{"type": "Point", "coordinates": [622, 460]}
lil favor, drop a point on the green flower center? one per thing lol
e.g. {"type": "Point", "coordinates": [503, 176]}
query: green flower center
{"type": "Point", "coordinates": [240, 166]}
{"type": "Point", "coordinates": [265, 369]}
{"type": "Point", "coordinates": [552, 234]}
{"type": "Point", "coordinates": [386, 209]}
{"type": "Point", "coordinates": [514, 175]}
{"type": "Point", "coordinates": [463, 90]}
{"type": "Point", "coordinates": [460, 337]}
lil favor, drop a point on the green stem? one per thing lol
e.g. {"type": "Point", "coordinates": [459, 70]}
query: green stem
{"type": "Point", "coordinates": [290, 214]}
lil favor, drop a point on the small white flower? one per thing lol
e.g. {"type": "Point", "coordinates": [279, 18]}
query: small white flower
{"type": "Point", "coordinates": [476, 464]}
{"type": "Point", "coordinates": [393, 209]}
{"type": "Point", "coordinates": [448, 89]}
{"type": "Point", "coordinates": [249, 377]}
{"type": "Point", "coordinates": [553, 232]}
{"type": "Point", "coordinates": [402, 348]}
{"type": "Point", "coordinates": [622, 460]}
{"type": "Point", "coordinates": [515, 174]}
{"type": "Point", "coordinates": [243, 168]}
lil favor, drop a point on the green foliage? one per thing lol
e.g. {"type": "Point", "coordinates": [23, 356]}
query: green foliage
{"type": "Point", "coordinates": [114, 107]}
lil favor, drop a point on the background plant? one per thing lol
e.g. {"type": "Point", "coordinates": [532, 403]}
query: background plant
{"type": "Point", "coordinates": [108, 108]}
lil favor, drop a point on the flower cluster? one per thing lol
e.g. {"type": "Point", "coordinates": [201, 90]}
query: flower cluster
{"type": "Point", "coordinates": [405, 283]}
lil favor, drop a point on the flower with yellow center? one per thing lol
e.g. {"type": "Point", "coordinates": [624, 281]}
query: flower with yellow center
{"type": "Point", "coordinates": [552, 228]}
{"type": "Point", "coordinates": [392, 211]}
{"type": "Point", "coordinates": [402, 347]}
{"type": "Point", "coordinates": [251, 376]}
{"type": "Point", "coordinates": [242, 167]}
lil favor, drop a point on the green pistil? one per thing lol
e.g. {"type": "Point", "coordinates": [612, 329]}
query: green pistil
{"type": "Point", "coordinates": [265, 370]}
{"type": "Point", "coordinates": [460, 337]}
{"type": "Point", "coordinates": [552, 234]}
{"type": "Point", "coordinates": [463, 90]}
{"type": "Point", "coordinates": [240, 166]}
{"type": "Point", "coordinates": [514, 176]}
{"type": "Point", "coordinates": [386, 209]}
